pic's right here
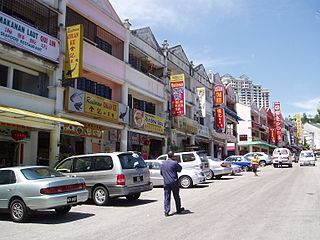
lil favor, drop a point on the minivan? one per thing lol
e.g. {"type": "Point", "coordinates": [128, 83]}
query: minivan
{"type": "Point", "coordinates": [109, 175]}
{"type": "Point", "coordinates": [283, 156]}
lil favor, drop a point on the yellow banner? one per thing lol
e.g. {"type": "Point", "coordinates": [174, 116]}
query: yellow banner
{"type": "Point", "coordinates": [153, 123]}
{"type": "Point", "coordinates": [74, 48]}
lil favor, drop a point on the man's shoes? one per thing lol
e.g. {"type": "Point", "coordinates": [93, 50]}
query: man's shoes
{"type": "Point", "coordinates": [180, 210]}
{"type": "Point", "coordinates": [166, 214]}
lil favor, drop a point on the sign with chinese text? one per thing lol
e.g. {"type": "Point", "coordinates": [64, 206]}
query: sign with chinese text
{"type": "Point", "coordinates": [278, 121]}
{"type": "Point", "coordinates": [273, 135]}
{"type": "Point", "coordinates": [201, 101]}
{"type": "Point", "coordinates": [220, 118]}
{"type": "Point", "coordinates": [88, 130]}
{"type": "Point", "coordinates": [23, 36]}
{"type": "Point", "coordinates": [147, 121]}
{"type": "Point", "coordinates": [299, 128]}
{"type": "Point", "coordinates": [177, 95]}
{"type": "Point", "coordinates": [74, 48]}
{"type": "Point", "coordinates": [218, 94]}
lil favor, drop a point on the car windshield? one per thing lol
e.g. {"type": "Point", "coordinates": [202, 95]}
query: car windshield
{"type": "Point", "coordinates": [246, 159]}
{"type": "Point", "coordinates": [203, 157]}
{"type": "Point", "coordinates": [40, 173]}
{"type": "Point", "coordinates": [131, 161]}
{"type": "Point", "coordinates": [306, 154]}
{"type": "Point", "coordinates": [280, 152]}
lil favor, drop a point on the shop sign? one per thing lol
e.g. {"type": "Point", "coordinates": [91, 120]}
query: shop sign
{"type": "Point", "coordinates": [88, 130]}
{"type": "Point", "coordinates": [134, 138]}
{"type": "Point", "coordinates": [138, 118]}
{"type": "Point", "coordinates": [292, 135]}
{"type": "Point", "coordinates": [23, 36]}
{"type": "Point", "coordinates": [89, 104]}
{"type": "Point", "coordinates": [15, 126]}
{"type": "Point", "coordinates": [16, 134]}
{"type": "Point", "coordinates": [74, 51]}
{"type": "Point", "coordinates": [177, 95]}
{"type": "Point", "coordinates": [299, 128]}
{"type": "Point", "coordinates": [220, 118]}
{"type": "Point", "coordinates": [203, 131]}
{"type": "Point", "coordinates": [153, 123]}
{"type": "Point", "coordinates": [243, 137]}
{"type": "Point", "coordinates": [123, 113]}
{"type": "Point", "coordinates": [218, 98]}
{"type": "Point", "coordinates": [278, 121]}
{"type": "Point", "coordinates": [273, 135]}
{"type": "Point", "coordinates": [201, 100]}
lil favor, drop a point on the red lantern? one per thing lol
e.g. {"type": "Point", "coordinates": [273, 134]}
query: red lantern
{"type": "Point", "coordinates": [18, 135]}
{"type": "Point", "coordinates": [146, 142]}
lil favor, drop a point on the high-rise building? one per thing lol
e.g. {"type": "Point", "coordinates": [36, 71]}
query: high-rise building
{"type": "Point", "coordinates": [247, 91]}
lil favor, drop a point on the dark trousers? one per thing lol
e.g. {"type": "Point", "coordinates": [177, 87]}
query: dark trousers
{"type": "Point", "coordinates": [174, 187]}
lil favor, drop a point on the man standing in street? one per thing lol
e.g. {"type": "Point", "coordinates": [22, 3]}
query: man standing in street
{"type": "Point", "coordinates": [169, 171]}
{"type": "Point", "coordinates": [255, 164]}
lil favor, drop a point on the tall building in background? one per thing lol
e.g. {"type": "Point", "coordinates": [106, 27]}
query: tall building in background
{"type": "Point", "coordinates": [247, 91]}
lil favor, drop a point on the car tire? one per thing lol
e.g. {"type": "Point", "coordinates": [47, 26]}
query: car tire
{"type": "Point", "coordinates": [232, 173]}
{"type": "Point", "coordinates": [100, 196]}
{"type": "Point", "coordinates": [63, 210]}
{"type": "Point", "coordinates": [210, 175]}
{"type": "Point", "coordinates": [290, 166]}
{"type": "Point", "coordinates": [245, 168]}
{"type": "Point", "coordinates": [18, 211]}
{"type": "Point", "coordinates": [133, 197]}
{"type": "Point", "coordinates": [185, 182]}
{"type": "Point", "coordinates": [262, 163]}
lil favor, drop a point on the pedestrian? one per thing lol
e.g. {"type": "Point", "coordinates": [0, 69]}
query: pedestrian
{"type": "Point", "coordinates": [169, 171]}
{"type": "Point", "coordinates": [255, 164]}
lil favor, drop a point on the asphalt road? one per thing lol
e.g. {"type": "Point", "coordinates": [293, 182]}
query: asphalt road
{"type": "Point", "coordinates": [278, 204]}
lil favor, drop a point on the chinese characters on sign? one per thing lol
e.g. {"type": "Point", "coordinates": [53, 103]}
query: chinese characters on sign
{"type": "Point", "coordinates": [278, 120]}
{"type": "Point", "coordinates": [201, 101]}
{"type": "Point", "coordinates": [74, 46]}
{"type": "Point", "coordinates": [299, 128]}
{"type": "Point", "coordinates": [273, 135]}
{"type": "Point", "coordinates": [220, 118]}
{"type": "Point", "coordinates": [177, 95]}
{"type": "Point", "coordinates": [218, 94]}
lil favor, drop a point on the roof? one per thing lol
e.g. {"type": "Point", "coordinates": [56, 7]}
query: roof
{"type": "Point", "coordinates": [256, 143]}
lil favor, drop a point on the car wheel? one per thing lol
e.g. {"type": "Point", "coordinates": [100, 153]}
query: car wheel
{"type": "Point", "coordinates": [185, 182]}
{"type": "Point", "coordinates": [245, 168]}
{"type": "Point", "coordinates": [18, 211]}
{"type": "Point", "coordinates": [262, 163]}
{"type": "Point", "coordinates": [210, 175]}
{"type": "Point", "coordinates": [133, 197]}
{"type": "Point", "coordinates": [100, 196]}
{"type": "Point", "coordinates": [232, 173]}
{"type": "Point", "coordinates": [218, 177]}
{"type": "Point", "coordinates": [63, 210]}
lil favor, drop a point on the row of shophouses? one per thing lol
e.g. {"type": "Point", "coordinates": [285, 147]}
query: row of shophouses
{"type": "Point", "coordinates": [121, 102]}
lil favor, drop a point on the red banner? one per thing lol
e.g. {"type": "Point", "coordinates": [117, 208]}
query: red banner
{"type": "Point", "coordinates": [273, 135]}
{"type": "Point", "coordinates": [218, 94]}
{"type": "Point", "coordinates": [278, 121]}
{"type": "Point", "coordinates": [220, 118]}
{"type": "Point", "coordinates": [177, 95]}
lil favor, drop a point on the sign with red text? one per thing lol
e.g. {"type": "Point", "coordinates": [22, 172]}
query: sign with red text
{"type": "Point", "coordinates": [220, 118]}
{"type": "Point", "coordinates": [278, 121]}
{"type": "Point", "coordinates": [177, 95]}
{"type": "Point", "coordinates": [273, 135]}
{"type": "Point", "coordinates": [23, 36]}
{"type": "Point", "coordinates": [218, 94]}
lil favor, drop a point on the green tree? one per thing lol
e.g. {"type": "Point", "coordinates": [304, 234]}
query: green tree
{"type": "Point", "coordinates": [304, 118]}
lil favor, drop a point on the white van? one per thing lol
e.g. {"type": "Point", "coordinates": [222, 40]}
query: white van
{"type": "Point", "coordinates": [282, 156]}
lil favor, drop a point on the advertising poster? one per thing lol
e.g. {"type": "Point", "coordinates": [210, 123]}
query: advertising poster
{"type": "Point", "coordinates": [299, 128]}
{"type": "Point", "coordinates": [177, 95]}
{"type": "Point", "coordinates": [201, 101]}
{"type": "Point", "coordinates": [218, 94]}
{"type": "Point", "coordinates": [273, 135]}
{"type": "Point", "coordinates": [278, 121]}
{"type": "Point", "coordinates": [220, 118]}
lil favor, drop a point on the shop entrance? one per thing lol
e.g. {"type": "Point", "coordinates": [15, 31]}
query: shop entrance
{"type": "Point", "coordinates": [155, 148]}
{"type": "Point", "coordinates": [9, 154]}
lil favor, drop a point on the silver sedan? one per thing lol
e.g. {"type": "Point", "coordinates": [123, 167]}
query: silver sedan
{"type": "Point", "coordinates": [23, 189]}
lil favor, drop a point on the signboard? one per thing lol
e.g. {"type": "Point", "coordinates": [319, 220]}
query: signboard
{"type": "Point", "coordinates": [243, 137]}
{"type": "Point", "coordinates": [220, 118]}
{"type": "Point", "coordinates": [201, 100]}
{"type": "Point", "coordinates": [299, 128]}
{"type": "Point", "coordinates": [123, 113]}
{"type": "Point", "coordinates": [88, 130]}
{"type": "Point", "coordinates": [203, 131]}
{"type": "Point", "coordinates": [278, 121]}
{"type": "Point", "coordinates": [74, 49]}
{"type": "Point", "coordinates": [23, 36]}
{"type": "Point", "coordinates": [147, 121]}
{"type": "Point", "coordinates": [89, 104]}
{"type": "Point", "coordinates": [177, 95]}
{"type": "Point", "coordinates": [273, 135]}
{"type": "Point", "coordinates": [218, 94]}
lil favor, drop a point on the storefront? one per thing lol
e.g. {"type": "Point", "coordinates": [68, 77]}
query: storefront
{"type": "Point", "coordinates": [202, 138]}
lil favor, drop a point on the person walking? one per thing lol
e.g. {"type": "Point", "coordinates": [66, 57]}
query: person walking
{"type": "Point", "coordinates": [255, 164]}
{"type": "Point", "coordinates": [169, 171]}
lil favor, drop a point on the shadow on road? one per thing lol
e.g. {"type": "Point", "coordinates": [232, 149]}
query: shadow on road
{"type": "Point", "coordinates": [224, 179]}
{"type": "Point", "coordinates": [202, 185]}
{"type": "Point", "coordinates": [184, 212]}
{"type": "Point", "coordinates": [123, 202]}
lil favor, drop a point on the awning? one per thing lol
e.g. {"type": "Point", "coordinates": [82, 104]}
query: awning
{"type": "Point", "coordinates": [256, 143]}
{"type": "Point", "coordinates": [32, 119]}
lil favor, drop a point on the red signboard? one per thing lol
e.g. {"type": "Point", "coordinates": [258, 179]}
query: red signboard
{"type": "Point", "coordinates": [273, 135]}
{"type": "Point", "coordinates": [218, 94]}
{"type": "Point", "coordinates": [177, 95]}
{"type": "Point", "coordinates": [278, 121]}
{"type": "Point", "coordinates": [220, 118]}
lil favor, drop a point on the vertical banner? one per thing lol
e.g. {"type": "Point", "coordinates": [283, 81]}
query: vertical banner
{"type": "Point", "coordinates": [273, 135]}
{"type": "Point", "coordinates": [201, 100]}
{"type": "Point", "coordinates": [74, 48]}
{"type": "Point", "coordinates": [292, 130]}
{"type": "Point", "coordinates": [299, 128]}
{"type": "Point", "coordinates": [218, 94]}
{"type": "Point", "coordinates": [220, 118]}
{"type": "Point", "coordinates": [278, 121]}
{"type": "Point", "coordinates": [178, 95]}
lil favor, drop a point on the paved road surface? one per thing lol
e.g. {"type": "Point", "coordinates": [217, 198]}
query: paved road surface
{"type": "Point", "coordinates": [279, 204]}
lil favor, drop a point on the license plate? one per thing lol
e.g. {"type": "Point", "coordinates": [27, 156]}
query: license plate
{"type": "Point", "coordinates": [72, 199]}
{"type": "Point", "coordinates": [138, 179]}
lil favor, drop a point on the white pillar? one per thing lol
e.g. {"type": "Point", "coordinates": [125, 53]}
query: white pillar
{"type": "Point", "coordinates": [211, 148]}
{"type": "Point", "coordinates": [54, 145]}
{"type": "Point", "coordinates": [124, 131]}
{"type": "Point", "coordinates": [165, 146]}
{"type": "Point", "coordinates": [10, 77]}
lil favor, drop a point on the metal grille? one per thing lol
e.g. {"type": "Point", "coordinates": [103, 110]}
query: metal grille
{"type": "Point", "coordinates": [32, 13]}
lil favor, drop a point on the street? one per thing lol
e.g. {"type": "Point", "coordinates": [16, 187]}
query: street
{"type": "Point", "coordinates": [278, 204]}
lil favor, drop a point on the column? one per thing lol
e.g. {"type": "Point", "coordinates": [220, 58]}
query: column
{"type": "Point", "coordinates": [165, 146]}
{"type": "Point", "coordinates": [211, 148]}
{"type": "Point", "coordinates": [225, 153]}
{"type": "Point", "coordinates": [54, 145]}
{"type": "Point", "coordinates": [10, 77]}
{"type": "Point", "coordinates": [124, 131]}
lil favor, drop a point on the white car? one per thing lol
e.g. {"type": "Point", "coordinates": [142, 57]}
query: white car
{"type": "Point", "coordinates": [282, 156]}
{"type": "Point", "coordinates": [307, 158]}
{"type": "Point", "coordinates": [218, 168]}
{"type": "Point", "coordinates": [187, 177]}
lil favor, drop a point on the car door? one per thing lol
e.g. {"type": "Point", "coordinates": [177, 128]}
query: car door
{"type": "Point", "coordinates": [65, 167]}
{"type": "Point", "coordinates": [158, 179]}
{"type": "Point", "coordinates": [84, 167]}
{"type": "Point", "coordinates": [7, 187]}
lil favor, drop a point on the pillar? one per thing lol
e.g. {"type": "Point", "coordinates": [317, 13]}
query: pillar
{"type": "Point", "coordinates": [225, 153]}
{"type": "Point", "coordinates": [211, 148]}
{"type": "Point", "coordinates": [10, 77]}
{"type": "Point", "coordinates": [124, 131]}
{"type": "Point", "coordinates": [54, 145]}
{"type": "Point", "coordinates": [165, 146]}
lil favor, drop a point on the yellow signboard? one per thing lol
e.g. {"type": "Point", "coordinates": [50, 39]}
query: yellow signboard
{"type": "Point", "coordinates": [153, 123]}
{"type": "Point", "coordinates": [74, 47]}
{"type": "Point", "coordinates": [299, 128]}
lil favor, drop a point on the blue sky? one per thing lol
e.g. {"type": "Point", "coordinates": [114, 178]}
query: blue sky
{"type": "Point", "coordinates": [276, 43]}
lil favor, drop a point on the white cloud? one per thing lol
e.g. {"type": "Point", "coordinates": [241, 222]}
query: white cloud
{"type": "Point", "coordinates": [309, 105]}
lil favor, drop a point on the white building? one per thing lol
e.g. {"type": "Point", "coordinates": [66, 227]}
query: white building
{"type": "Point", "coordinates": [311, 134]}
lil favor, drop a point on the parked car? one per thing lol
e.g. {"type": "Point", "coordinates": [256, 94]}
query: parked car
{"type": "Point", "coordinates": [282, 155]}
{"type": "Point", "coordinates": [235, 169]}
{"type": "Point", "coordinates": [193, 159]}
{"type": "Point", "coordinates": [109, 175]}
{"type": "Point", "coordinates": [307, 158]}
{"type": "Point", "coordinates": [264, 159]}
{"type": "Point", "coordinates": [23, 189]}
{"type": "Point", "coordinates": [241, 161]}
{"type": "Point", "coordinates": [187, 177]}
{"type": "Point", "coordinates": [218, 168]}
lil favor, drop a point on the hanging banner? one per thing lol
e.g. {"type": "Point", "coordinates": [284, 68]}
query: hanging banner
{"type": "Point", "coordinates": [278, 121]}
{"type": "Point", "coordinates": [177, 95]}
{"type": "Point", "coordinates": [218, 98]}
{"type": "Point", "coordinates": [299, 128]}
{"type": "Point", "coordinates": [201, 101]}
{"type": "Point", "coordinates": [273, 135]}
{"type": "Point", "coordinates": [220, 119]}
{"type": "Point", "coordinates": [74, 49]}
